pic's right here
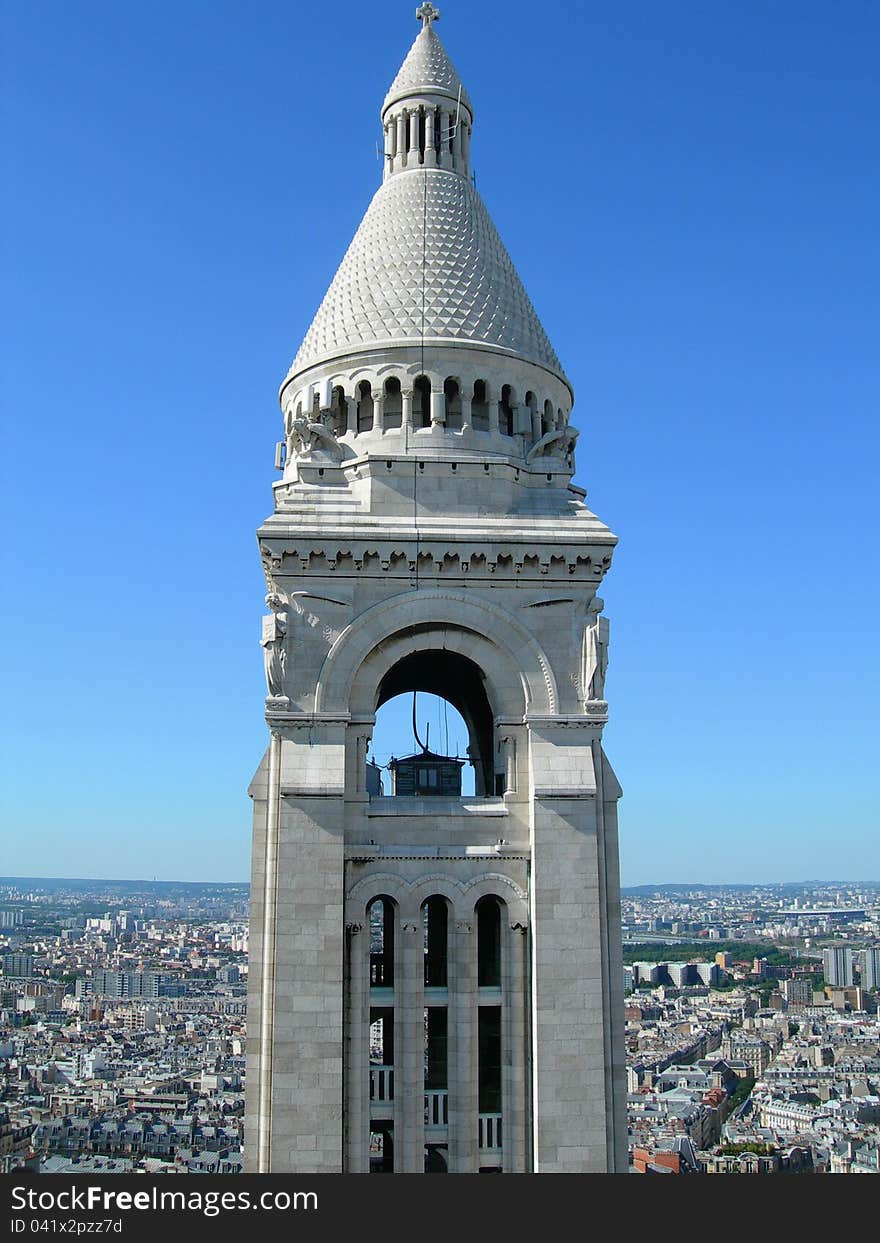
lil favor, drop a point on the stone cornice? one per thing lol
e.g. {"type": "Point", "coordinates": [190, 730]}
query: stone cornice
{"type": "Point", "coordinates": [401, 557]}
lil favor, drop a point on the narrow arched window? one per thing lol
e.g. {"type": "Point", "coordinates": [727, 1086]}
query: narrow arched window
{"type": "Point", "coordinates": [452, 400]}
{"type": "Point", "coordinates": [339, 412]}
{"type": "Point", "coordinates": [480, 407]}
{"type": "Point", "coordinates": [489, 942]}
{"type": "Point", "coordinates": [435, 915]}
{"type": "Point", "coordinates": [380, 921]}
{"type": "Point", "coordinates": [422, 402]}
{"type": "Point", "coordinates": [364, 407]}
{"type": "Point", "coordinates": [393, 406]}
{"type": "Point", "coordinates": [505, 411]}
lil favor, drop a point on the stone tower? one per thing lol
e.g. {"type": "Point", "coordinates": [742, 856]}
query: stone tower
{"type": "Point", "coordinates": [435, 983]}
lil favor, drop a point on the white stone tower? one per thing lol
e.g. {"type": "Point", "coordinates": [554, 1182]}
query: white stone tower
{"type": "Point", "coordinates": [435, 983]}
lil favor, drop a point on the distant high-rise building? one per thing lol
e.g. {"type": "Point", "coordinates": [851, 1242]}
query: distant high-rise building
{"type": "Point", "coordinates": [124, 984]}
{"type": "Point", "coordinates": [838, 964]}
{"type": "Point", "coordinates": [798, 991]}
{"type": "Point", "coordinates": [11, 919]}
{"type": "Point", "coordinates": [18, 965]}
{"type": "Point", "coordinates": [870, 967]}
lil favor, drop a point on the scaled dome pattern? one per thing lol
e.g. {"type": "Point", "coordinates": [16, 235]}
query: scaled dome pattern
{"type": "Point", "coordinates": [427, 69]}
{"type": "Point", "coordinates": [472, 292]}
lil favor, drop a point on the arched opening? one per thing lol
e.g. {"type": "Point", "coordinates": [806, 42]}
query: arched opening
{"type": "Point", "coordinates": [548, 422]}
{"type": "Point", "coordinates": [435, 923]}
{"type": "Point", "coordinates": [452, 401]}
{"type": "Point", "coordinates": [458, 682]}
{"type": "Point", "coordinates": [480, 407]}
{"type": "Point", "coordinates": [338, 412]}
{"type": "Point", "coordinates": [364, 407]}
{"type": "Point", "coordinates": [421, 407]}
{"type": "Point", "coordinates": [393, 404]}
{"type": "Point", "coordinates": [433, 764]}
{"type": "Point", "coordinates": [534, 425]}
{"type": "Point", "coordinates": [380, 920]}
{"type": "Point", "coordinates": [505, 411]}
{"type": "Point", "coordinates": [488, 911]}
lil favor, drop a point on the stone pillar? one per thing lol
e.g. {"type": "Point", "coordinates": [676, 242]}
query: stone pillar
{"type": "Point", "coordinates": [360, 775]}
{"type": "Point", "coordinates": [574, 901]}
{"type": "Point", "coordinates": [536, 426]}
{"type": "Point", "coordinates": [430, 149]}
{"type": "Point", "coordinates": [390, 134]}
{"type": "Point", "coordinates": [351, 415]}
{"type": "Point", "coordinates": [443, 158]}
{"type": "Point", "coordinates": [378, 409]}
{"type": "Point", "coordinates": [513, 1052]}
{"type": "Point", "coordinates": [438, 407]}
{"type": "Point", "coordinates": [409, 1049]}
{"type": "Point", "coordinates": [406, 396]}
{"type": "Point", "coordinates": [509, 757]}
{"type": "Point", "coordinates": [463, 1085]}
{"type": "Point", "coordinates": [400, 160]}
{"type": "Point", "coordinates": [357, 1050]}
{"type": "Point", "coordinates": [492, 401]}
{"type": "Point", "coordinates": [413, 153]}
{"type": "Point", "coordinates": [466, 403]}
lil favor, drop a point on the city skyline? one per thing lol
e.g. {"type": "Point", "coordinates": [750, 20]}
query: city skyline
{"type": "Point", "coordinates": [712, 315]}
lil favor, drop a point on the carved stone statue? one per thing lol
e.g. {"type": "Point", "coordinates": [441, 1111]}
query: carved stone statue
{"type": "Point", "coordinates": [595, 652]}
{"type": "Point", "coordinates": [274, 644]}
{"type": "Point", "coordinates": [304, 437]}
{"type": "Point", "coordinates": [559, 443]}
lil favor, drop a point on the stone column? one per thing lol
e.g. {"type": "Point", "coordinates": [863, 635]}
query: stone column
{"type": "Point", "coordinates": [351, 415]}
{"type": "Point", "coordinates": [463, 1085]}
{"type": "Point", "coordinates": [536, 426]}
{"type": "Point", "coordinates": [400, 160]}
{"type": "Point", "coordinates": [409, 1048]}
{"type": "Point", "coordinates": [406, 396]}
{"type": "Point", "coordinates": [390, 135]}
{"type": "Point", "coordinates": [360, 774]}
{"type": "Point", "coordinates": [378, 409]}
{"type": "Point", "coordinates": [509, 756]}
{"type": "Point", "coordinates": [430, 149]}
{"type": "Point", "coordinates": [413, 154]}
{"type": "Point", "coordinates": [466, 403]}
{"type": "Point", "coordinates": [457, 153]}
{"type": "Point", "coordinates": [357, 1050]}
{"type": "Point", "coordinates": [492, 400]}
{"type": "Point", "coordinates": [513, 1034]}
{"type": "Point", "coordinates": [438, 407]}
{"type": "Point", "coordinates": [443, 157]}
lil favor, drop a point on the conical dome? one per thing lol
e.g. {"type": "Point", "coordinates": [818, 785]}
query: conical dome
{"type": "Point", "coordinates": [427, 69]}
{"type": "Point", "coordinates": [426, 264]}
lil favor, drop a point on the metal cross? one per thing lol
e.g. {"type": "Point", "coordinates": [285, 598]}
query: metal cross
{"type": "Point", "coordinates": [426, 13]}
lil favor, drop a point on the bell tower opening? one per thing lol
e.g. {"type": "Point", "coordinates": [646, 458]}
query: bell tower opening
{"type": "Point", "coordinates": [453, 680]}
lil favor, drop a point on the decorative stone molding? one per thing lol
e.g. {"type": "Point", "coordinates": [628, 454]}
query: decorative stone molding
{"type": "Point", "coordinates": [512, 649]}
{"type": "Point", "coordinates": [443, 560]}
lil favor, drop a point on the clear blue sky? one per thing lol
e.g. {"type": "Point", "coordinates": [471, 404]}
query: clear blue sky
{"type": "Point", "coordinates": [690, 193]}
